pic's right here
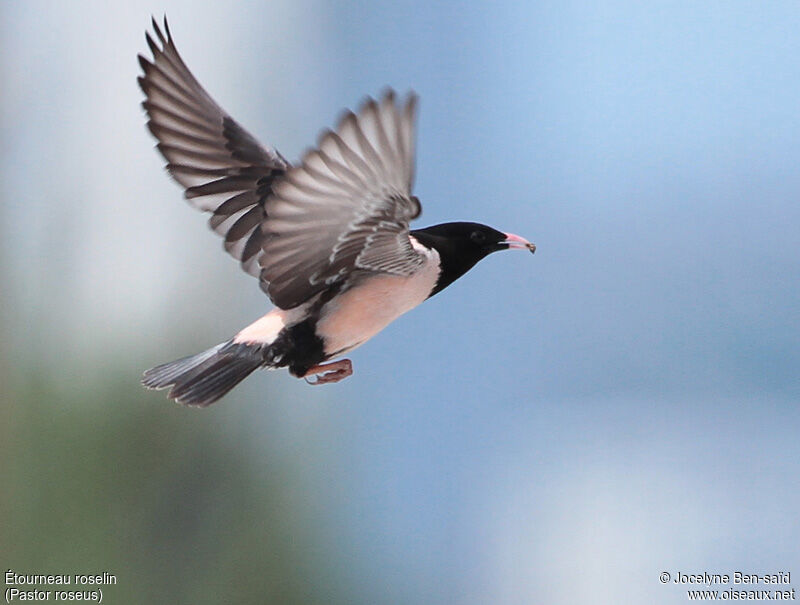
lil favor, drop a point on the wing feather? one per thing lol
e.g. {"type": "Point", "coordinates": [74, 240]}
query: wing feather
{"type": "Point", "coordinates": [223, 169]}
{"type": "Point", "coordinates": [346, 208]}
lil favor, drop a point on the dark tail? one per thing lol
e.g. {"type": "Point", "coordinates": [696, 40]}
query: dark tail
{"type": "Point", "coordinates": [203, 378]}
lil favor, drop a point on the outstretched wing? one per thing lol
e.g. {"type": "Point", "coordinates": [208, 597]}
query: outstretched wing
{"type": "Point", "coordinates": [346, 207]}
{"type": "Point", "coordinates": [223, 169]}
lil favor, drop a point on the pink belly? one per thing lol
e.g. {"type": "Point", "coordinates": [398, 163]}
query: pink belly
{"type": "Point", "coordinates": [360, 313]}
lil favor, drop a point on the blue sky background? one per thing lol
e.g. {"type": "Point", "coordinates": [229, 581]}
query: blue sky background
{"type": "Point", "coordinates": [555, 429]}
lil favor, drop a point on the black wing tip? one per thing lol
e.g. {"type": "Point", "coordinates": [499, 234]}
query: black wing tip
{"type": "Point", "coordinates": [155, 130]}
{"type": "Point", "coordinates": [344, 116]}
{"type": "Point", "coordinates": [387, 93]}
{"type": "Point", "coordinates": [412, 100]}
{"type": "Point", "coordinates": [157, 29]}
{"type": "Point", "coordinates": [144, 63]}
{"type": "Point", "coordinates": [390, 94]}
{"type": "Point", "coordinates": [151, 44]}
{"type": "Point", "coordinates": [368, 103]}
{"type": "Point", "coordinates": [164, 40]}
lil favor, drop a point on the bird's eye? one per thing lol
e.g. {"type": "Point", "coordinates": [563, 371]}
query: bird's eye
{"type": "Point", "coordinates": [478, 237]}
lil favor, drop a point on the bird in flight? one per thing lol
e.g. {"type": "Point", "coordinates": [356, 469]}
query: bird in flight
{"type": "Point", "coordinates": [328, 237]}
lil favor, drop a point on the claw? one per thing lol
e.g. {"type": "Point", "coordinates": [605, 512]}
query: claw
{"type": "Point", "coordinates": [329, 372]}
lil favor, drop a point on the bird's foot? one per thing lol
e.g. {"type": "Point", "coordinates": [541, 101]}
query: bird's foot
{"type": "Point", "coordinates": [329, 372]}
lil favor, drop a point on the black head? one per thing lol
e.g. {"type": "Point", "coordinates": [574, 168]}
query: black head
{"type": "Point", "coordinates": [461, 245]}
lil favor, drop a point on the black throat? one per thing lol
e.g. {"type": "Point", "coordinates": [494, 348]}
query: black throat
{"type": "Point", "coordinates": [455, 258]}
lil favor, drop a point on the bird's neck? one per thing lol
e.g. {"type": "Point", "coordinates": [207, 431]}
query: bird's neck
{"type": "Point", "coordinates": [453, 261]}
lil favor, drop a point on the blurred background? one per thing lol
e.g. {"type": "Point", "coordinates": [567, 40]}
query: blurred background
{"type": "Point", "coordinates": [552, 429]}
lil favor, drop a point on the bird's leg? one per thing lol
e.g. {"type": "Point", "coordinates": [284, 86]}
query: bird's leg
{"type": "Point", "coordinates": [330, 372]}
